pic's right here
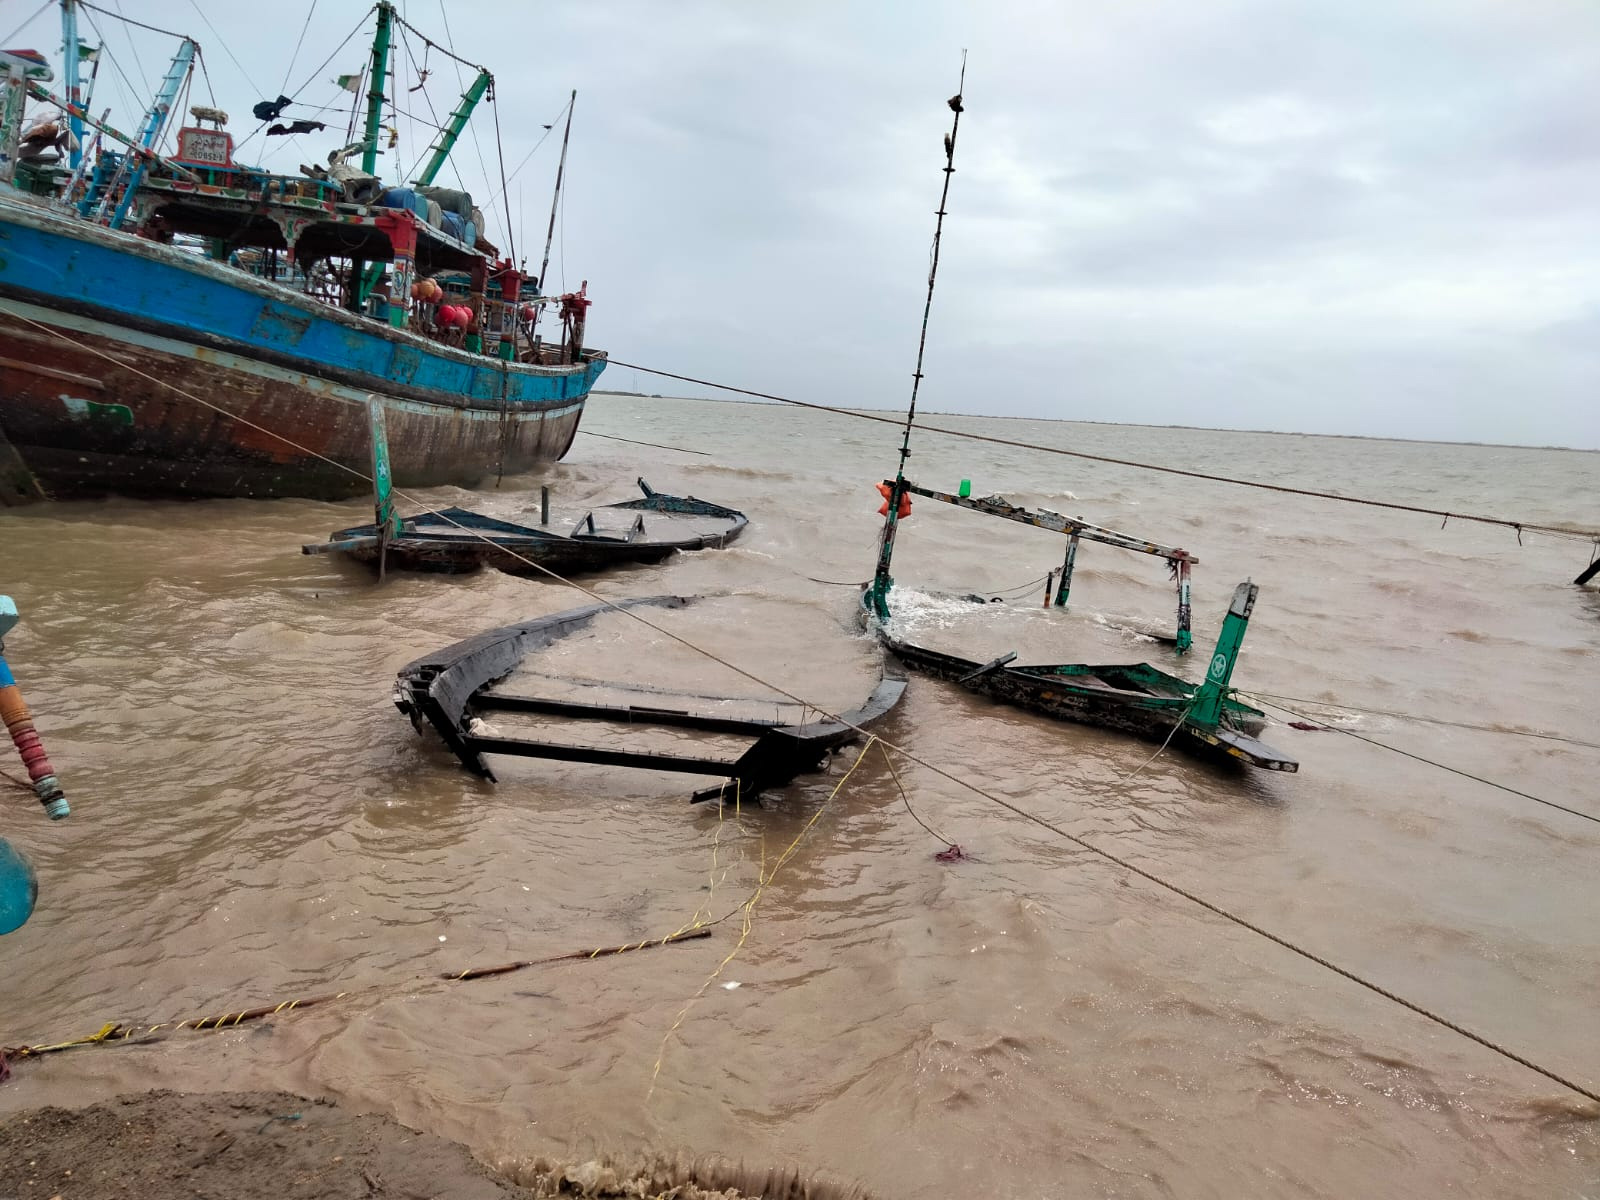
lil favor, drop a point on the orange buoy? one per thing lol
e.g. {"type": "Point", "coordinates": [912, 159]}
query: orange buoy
{"type": "Point", "coordinates": [885, 490]}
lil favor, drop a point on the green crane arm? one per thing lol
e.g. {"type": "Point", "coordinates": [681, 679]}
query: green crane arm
{"type": "Point", "coordinates": [453, 127]}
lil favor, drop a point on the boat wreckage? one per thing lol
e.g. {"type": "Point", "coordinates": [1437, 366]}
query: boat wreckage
{"type": "Point", "coordinates": [455, 689]}
{"type": "Point", "coordinates": [1137, 697]}
{"type": "Point", "coordinates": [457, 540]}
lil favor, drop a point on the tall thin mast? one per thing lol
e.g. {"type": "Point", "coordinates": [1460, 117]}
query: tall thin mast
{"type": "Point", "coordinates": [380, 69]}
{"type": "Point", "coordinates": [555, 203]}
{"type": "Point", "coordinates": [881, 582]}
{"type": "Point", "coordinates": [69, 54]}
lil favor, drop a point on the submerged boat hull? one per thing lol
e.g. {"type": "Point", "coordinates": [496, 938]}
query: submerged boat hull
{"type": "Point", "coordinates": [1092, 696]}
{"type": "Point", "coordinates": [130, 367]}
{"type": "Point", "coordinates": [449, 688]}
{"type": "Point", "coordinates": [455, 540]}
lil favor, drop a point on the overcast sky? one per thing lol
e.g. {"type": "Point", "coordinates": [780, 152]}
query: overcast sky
{"type": "Point", "coordinates": [1377, 217]}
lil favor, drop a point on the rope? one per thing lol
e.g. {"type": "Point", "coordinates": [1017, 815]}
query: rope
{"type": "Point", "coordinates": [652, 445]}
{"type": "Point", "coordinates": [1125, 864]}
{"type": "Point", "coordinates": [117, 16]}
{"type": "Point", "coordinates": [906, 800]}
{"type": "Point", "coordinates": [1430, 762]}
{"type": "Point", "coordinates": [764, 879]}
{"type": "Point", "coordinates": [116, 1033]}
{"type": "Point", "coordinates": [431, 44]}
{"type": "Point", "coordinates": [1506, 522]}
{"type": "Point", "coordinates": [1384, 712]}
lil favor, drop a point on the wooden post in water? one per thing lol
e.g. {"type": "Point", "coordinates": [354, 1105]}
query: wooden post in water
{"type": "Point", "coordinates": [1066, 571]}
{"type": "Point", "coordinates": [544, 504]}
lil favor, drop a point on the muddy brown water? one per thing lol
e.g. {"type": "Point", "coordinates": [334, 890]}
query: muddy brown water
{"type": "Point", "coordinates": [254, 822]}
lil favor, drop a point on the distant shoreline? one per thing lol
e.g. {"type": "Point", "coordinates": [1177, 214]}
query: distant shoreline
{"type": "Point", "coordinates": [1348, 437]}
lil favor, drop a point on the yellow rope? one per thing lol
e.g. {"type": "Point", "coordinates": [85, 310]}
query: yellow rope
{"type": "Point", "coordinates": [764, 877]}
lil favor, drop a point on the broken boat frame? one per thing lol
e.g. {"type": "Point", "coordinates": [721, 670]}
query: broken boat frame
{"type": "Point", "coordinates": [450, 688]}
{"type": "Point", "coordinates": [1076, 529]}
{"type": "Point", "coordinates": [1137, 698]}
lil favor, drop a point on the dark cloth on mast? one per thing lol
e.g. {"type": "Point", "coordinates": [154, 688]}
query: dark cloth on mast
{"type": "Point", "coordinates": [296, 127]}
{"type": "Point", "coordinates": [271, 110]}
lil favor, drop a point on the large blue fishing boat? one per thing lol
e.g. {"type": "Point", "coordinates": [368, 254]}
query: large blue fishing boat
{"type": "Point", "coordinates": [187, 325]}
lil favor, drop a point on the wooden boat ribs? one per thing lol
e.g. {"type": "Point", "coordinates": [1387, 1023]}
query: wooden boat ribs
{"type": "Point", "coordinates": [452, 687]}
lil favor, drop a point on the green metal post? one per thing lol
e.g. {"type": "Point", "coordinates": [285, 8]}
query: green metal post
{"type": "Point", "coordinates": [380, 69]}
{"type": "Point", "coordinates": [1207, 708]}
{"type": "Point", "coordinates": [453, 127]}
{"type": "Point", "coordinates": [881, 581]}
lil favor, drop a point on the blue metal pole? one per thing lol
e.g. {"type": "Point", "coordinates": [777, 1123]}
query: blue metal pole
{"type": "Point", "coordinates": [69, 54]}
{"type": "Point", "coordinates": [155, 122]}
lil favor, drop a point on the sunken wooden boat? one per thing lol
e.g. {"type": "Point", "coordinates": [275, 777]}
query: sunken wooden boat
{"type": "Point", "coordinates": [456, 688]}
{"type": "Point", "coordinates": [645, 530]}
{"type": "Point", "coordinates": [1135, 698]}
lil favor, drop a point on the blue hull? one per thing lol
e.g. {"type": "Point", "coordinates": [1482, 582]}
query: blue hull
{"type": "Point", "coordinates": [111, 347]}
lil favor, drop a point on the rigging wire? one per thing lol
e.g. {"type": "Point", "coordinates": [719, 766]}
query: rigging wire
{"type": "Point", "coordinates": [477, 146]}
{"type": "Point", "coordinates": [1521, 527]}
{"type": "Point", "coordinates": [246, 74]}
{"type": "Point", "coordinates": [337, 50]}
{"type": "Point", "coordinates": [121, 82]}
{"type": "Point", "coordinates": [144, 76]}
{"type": "Point", "coordinates": [500, 152]}
{"type": "Point", "coordinates": [295, 57]}
{"type": "Point", "coordinates": [548, 130]}
{"type": "Point", "coordinates": [205, 75]}
{"type": "Point", "coordinates": [47, 3]}
{"type": "Point", "coordinates": [1125, 864]}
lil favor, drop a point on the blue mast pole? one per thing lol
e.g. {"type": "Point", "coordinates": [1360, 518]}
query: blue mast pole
{"type": "Point", "coordinates": [69, 54]}
{"type": "Point", "coordinates": [155, 122]}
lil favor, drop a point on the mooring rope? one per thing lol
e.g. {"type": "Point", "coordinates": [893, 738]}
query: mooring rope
{"type": "Point", "coordinates": [1125, 864]}
{"type": "Point", "coordinates": [1504, 787]}
{"type": "Point", "coordinates": [610, 437]}
{"type": "Point", "coordinates": [764, 879]}
{"type": "Point", "coordinates": [115, 1033]}
{"type": "Point", "coordinates": [1403, 716]}
{"type": "Point", "coordinates": [1520, 527]}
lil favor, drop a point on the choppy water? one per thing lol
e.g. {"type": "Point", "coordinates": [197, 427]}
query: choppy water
{"type": "Point", "coordinates": [254, 822]}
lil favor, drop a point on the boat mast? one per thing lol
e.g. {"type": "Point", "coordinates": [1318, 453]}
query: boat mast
{"type": "Point", "coordinates": [555, 203]}
{"type": "Point", "coordinates": [69, 54]}
{"type": "Point", "coordinates": [446, 140]}
{"type": "Point", "coordinates": [380, 64]}
{"type": "Point", "coordinates": [881, 582]}
{"type": "Point", "coordinates": [155, 124]}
